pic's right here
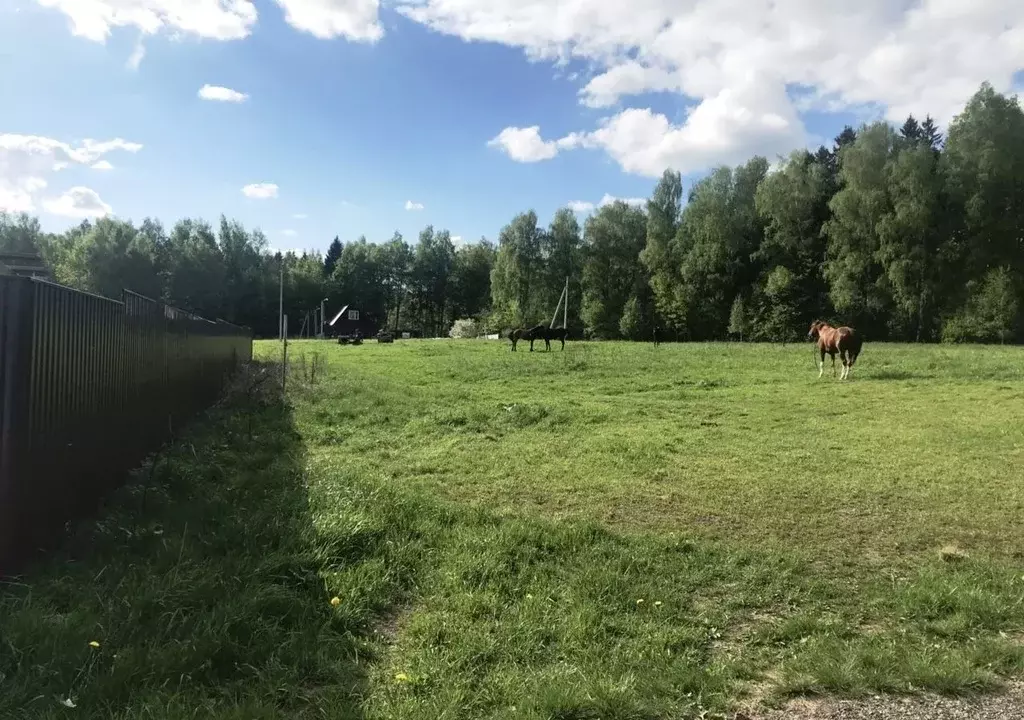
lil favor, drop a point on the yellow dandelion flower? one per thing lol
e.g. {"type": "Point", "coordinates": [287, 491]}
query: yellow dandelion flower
{"type": "Point", "coordinates": [94, 644]}
{"type": "Point", "coordinates": [335, 601]}
{"type": "Point", "coordinates": [402, 677]}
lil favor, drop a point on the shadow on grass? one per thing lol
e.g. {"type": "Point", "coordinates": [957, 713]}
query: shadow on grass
{"type": "Point", "coordinates": [196, 593]}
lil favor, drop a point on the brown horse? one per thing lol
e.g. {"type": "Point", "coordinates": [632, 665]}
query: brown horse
{"type": "Point", "coordinates": [843, 340]}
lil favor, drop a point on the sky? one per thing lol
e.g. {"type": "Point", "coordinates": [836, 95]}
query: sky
{"type": "Point", "coordinates": [311, 119]}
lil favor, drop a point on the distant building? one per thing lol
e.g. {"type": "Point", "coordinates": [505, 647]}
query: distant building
{"type": "Point", "coordinates": [24, 264]}
{"type": "Point", "coordinates": [350, 319]}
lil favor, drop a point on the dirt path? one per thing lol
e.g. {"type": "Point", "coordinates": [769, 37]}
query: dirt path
{"type": "Point", "coordinates": [1008, 705]}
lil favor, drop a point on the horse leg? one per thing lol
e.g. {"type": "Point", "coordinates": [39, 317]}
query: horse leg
{"type": "Point", "coordinates": [844, 358]}
{"type": "Point", "coordinates": [563, 343]}
{"type": "Point", "coordinates": [833, 355]}
{"type": "Point", "coordinates": [513, 344]}
{"type": "Point", "coordinates": [531, 344]}
{"type": "Point", "coordinates": [821, 365]}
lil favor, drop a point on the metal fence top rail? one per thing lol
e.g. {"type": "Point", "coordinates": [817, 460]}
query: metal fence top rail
{"type": "Point", "coordinates": [162, 306]}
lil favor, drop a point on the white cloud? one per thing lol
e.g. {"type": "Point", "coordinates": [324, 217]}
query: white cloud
{"type": "Point", "coordinates": [138, 53]}
{"type": "Point", "coordinates": [102, 165]}
{"type": "Point", "coordinates": [456, 239]}
{"type": "Point", "coordinates": [260, 191]}
{"type": "Point", "coordinates": [26, 161]}
{"type": "Point", "coordinates": [526, 145]}
{"type": "Point", "coordinates": [609, 199]}
{"type": "Point", "coordinates": [326, 19]}
{"type": "Point", "coordinates": [737, 61]}
{"type": "Point", "coordinates": [583, 206]}
{"type": "Point", "coordinates": [217, 93]}
{"type": "Point", "coordinates": [213, 19]}
{"type": "Point", "coordinates": [300, 216]}
{"type": "Point", "coordinates": [78, 202]}
{"type": "Point", "coordinates": [410, 205]}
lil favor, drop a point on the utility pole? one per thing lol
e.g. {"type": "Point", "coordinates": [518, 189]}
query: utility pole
{"type": "Point", "coordinates": [565, 307]}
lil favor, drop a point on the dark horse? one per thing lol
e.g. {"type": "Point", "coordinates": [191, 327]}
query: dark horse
{"type": "Point", "coordinates": [843, 340]}
{"type": "Point", "coordinates": [537, 332]}
{"type": "Point", "coordinates": [554, 334]}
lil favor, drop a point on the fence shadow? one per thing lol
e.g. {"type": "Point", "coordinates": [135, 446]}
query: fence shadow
{"type": "Point", "coordinates": [199, 583]}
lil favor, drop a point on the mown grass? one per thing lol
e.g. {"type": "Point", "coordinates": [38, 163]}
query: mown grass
{"type": "Point", "coordinates": [615, 531]}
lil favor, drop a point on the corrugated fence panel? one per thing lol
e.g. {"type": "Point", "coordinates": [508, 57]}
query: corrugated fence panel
{"type": "Point", "coordinates": [88, 387]}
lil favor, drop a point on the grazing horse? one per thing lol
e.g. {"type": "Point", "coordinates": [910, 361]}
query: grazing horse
{"type": "Point", "coordinates": [843, 340]}
{"type": "Point", "coordinates": [550, 334]}
{"type": "Point", "coordinates": [531, 334]}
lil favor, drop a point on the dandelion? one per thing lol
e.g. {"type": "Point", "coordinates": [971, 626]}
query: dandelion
{"type": "Point", "coordinates": [657, 603]}
{"type": "Point", "coordinates": [68, 703]}
{"type": "Point", "coordinates": [335, 601]}
{"type": "Point", "coordinates": [402, 677]}
{"type": "Point", "coordinates": [640, 601]}
{"type": "Point", "coordinates": [94, 644]}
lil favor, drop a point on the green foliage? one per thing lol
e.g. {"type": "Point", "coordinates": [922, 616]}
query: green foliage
{"type": "Point", "coordinates": [612, 272]}
{"type": "Point", "coordinates": [738, 323]}
{"type": "Point", "coordinates": [894, 232]}
{"type": "Point", "coordinates": [992, 312]}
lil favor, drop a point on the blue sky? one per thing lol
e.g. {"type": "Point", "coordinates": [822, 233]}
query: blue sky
{"type": "Point", "coordinates": [351, 131]}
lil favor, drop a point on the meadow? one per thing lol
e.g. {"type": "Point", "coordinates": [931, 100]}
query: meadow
{"type": "Point", "coordinates": [444, 529]}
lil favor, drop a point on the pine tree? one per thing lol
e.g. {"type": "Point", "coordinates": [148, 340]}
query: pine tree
{"type": "Point", "coordinates": [930, 133]}
{"type": "Point", "coordinates": [332, 257]}
{"type": "Point", "coordinates": [911, 130]}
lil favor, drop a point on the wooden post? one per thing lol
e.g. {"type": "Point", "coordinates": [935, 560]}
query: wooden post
{"type": "Point", "coordinates": [284, 354]}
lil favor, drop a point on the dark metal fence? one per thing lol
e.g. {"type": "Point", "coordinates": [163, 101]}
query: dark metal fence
{"type": "Point", "coordinates": [88, 387]}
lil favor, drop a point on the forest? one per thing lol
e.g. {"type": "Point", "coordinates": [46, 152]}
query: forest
{"type": "Point", "coordinates": [901, 232]}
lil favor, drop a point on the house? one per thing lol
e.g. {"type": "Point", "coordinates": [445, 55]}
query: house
{"type": "Point", "coordinates": [24, 264]}
{"type": "Point", "coordinates": [350, 319]}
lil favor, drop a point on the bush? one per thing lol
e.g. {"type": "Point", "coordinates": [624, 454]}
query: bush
{"type": "Point", "coordinates": [465, 328]}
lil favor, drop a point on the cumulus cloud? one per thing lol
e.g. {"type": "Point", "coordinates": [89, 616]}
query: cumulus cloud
{"type": "Point", "coordinates": [212, 19]}
{"type": "Point", "coordinates": [526, 145]}
{"type": "Point", "coordinates": [217, 93]}
{"type": "Point", "coordinates": [260, 191]}
{"type": "Point", "coordinates": [581, 206]}
{"type": "Point", "coordinates": [410, 205]}
{"type": "Point", "coordinates": [326, 19]}
{"type": "Point", "coordinates": [744, 63]}
{"type": "Point", "coordinates": [79, 202]}
{"type": "Point", "coordinates": [27, 161]}
{"type": "Point", "coordinates": [102, 165]}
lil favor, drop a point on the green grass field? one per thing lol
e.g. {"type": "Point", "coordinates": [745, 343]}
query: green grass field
{"type": "Point", "coordinates": [615, 531]}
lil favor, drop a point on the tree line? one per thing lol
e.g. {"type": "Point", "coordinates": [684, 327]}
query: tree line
{"type": "Point", "coordinates": [900, 232]}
